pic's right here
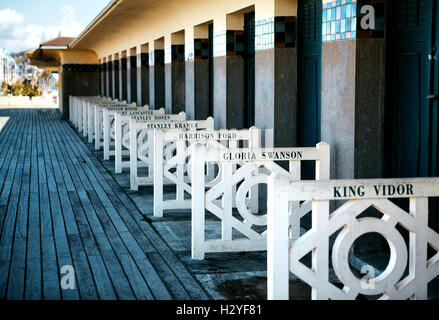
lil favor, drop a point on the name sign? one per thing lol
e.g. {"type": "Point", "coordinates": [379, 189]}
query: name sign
{"type": "Point", "coordinates": [209, 135]}
{"type": "Point", "coordinates": [165, 125]}
{"type": "Point", "coordinates": [364, 189]}
{"type": "Point", "coordinates": [276, 154]}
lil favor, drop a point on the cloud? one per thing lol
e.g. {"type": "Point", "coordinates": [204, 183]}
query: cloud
{"type": "Point", "coordinates": [9, 20]}
{"type": "Point", "coordinates": [16, 36]}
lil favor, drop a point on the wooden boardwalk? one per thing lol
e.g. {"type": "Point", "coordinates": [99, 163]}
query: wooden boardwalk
{"type": "Point", "coordinates": [60, 207]}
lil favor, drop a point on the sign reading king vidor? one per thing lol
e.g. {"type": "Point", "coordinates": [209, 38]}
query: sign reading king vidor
{"type": "Point", "coordinates": [365, 189]}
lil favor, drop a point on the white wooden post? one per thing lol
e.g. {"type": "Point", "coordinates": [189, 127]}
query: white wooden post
{"type": "Point", "coordinates": [118, 146]}
{"type": "Point", "coordinates": [133, 155]}
{"type": "Point", "coordinates": [277, 241]}
{"type": "Point", "coordinates": [98, 127]}
{"type": "Point", "coordinates": [106, 125]}
{"type": "Point", "coordinates": [84, 118]}
{"type": "Point", "coordinates": [158, 177]}
{"type": "Point", "coordinates": [198, 214]}
{"type": "Point", "coordinates": [418, 248]}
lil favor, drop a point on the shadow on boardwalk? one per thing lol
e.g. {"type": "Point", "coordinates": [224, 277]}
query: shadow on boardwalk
{"type": "Point", "coordinates": [60, 207]}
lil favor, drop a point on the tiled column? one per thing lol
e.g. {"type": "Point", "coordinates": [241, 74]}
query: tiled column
{"type": "Point", "coordinates": [276, 72]}
{"type": "Point", "coordinates": [174, 73]}
{"type": "Point", "coordinates": [101, 79]}
{"type": "Point", "coordinates": [229, 104]}
{"type": "Point", "coordinates": [104, 78]}
{"type": "Point", "coordinates": [157, 74]}
{"type": "Point", "coordinates": [197, 72]}
{"type": "Point", "coordinates": [123, 78]}
{"type": "Point", "coordinates": [132, 76]}
{"type": "Point", "coordinates": [116, 77]}
{"type": "Point", "coordinates": [353, 74]}
{"type": "Point", "coordinates": [143, 77]}
{"type": "Point", "coordinates": [110, 78]}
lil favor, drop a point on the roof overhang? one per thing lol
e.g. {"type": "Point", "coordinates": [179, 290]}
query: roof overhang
{"type": "Point", "coordinates": [107, 10]}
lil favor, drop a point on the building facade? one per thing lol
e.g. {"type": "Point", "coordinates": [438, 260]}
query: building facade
{"type": "Point", "coordinates": [361, 75]}
{"type": "Point", "coordinates": [9, 70]}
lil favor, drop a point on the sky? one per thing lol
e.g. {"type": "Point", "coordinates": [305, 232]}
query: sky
{"type": "Point", "coordinates": [24, 24]}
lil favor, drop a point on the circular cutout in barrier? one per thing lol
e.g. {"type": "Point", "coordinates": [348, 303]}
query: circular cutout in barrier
{"type": "Point", "coordinates": [395, 268]}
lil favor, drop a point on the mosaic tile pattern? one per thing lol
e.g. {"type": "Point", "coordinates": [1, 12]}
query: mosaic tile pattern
{"type": "Point", "coordinates": [143, 59]}
{"type": "Point", "coordinates": [80, 68]}
{"type": "Point", "coordinates": [201, 49]}
{"type": "Point", "coordinates": [234, 42]}
{"type": "Point", "coordinates": [157, 57]}
{"type": "Point", "coordinates": [278, 32]}
{"type": "Point", "coordinates": [219, 44]}
{"type": "Point", "coordinates": [339, 20]}
{"type": "Point", "coordinates": [123, 63]}
{"type": "Point", "coordinates": [177, 53]}
{"type": "Point", "coordinates": [189, 51]}
{"type": "Point", "coordinates": [116, 65]}
{"type": "Point", "coordinates": [133, 62]}
{"type": "Point", "coordinates": [264, 33]}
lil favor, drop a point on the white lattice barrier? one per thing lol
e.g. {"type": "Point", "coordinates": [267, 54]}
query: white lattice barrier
{"type": "Point", "coordinates": [176, 169]}
{"type": "Point", "coordinates": [284, 255]}
{"type": "Point", "coordinates": [99, 119]}
{"type": "Point", "coordinates": [76, 109]}
{"type": "Point", "coordinates": [142, 144]}
{"type": "Point", "coordinates": [255, 166]}
{"type": "Point", "coordinates": [108, 126]}
{"type": "Point", "coordinates": [79, 113]}
{"type": "Point", "coordinates": [122, 133]}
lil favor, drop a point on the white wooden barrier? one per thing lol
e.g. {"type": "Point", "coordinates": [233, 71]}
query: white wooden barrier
{"type": "Point", "coordinates": [108, 128]}
{"type": "Point", "coordinates": [176, 169]}
{"type": "Point", "coordinates": [255, 167]}
{"type": "Point", "coordinates": [122, 133]}
{"type": "Point", "coordinates": [284, 255]}
{"type": "Point", "coordinates": [142, 144]}
{"type": "Point", "coordinates": [77, 112]}
{"type": "Point", "coordinates": [99, 120]}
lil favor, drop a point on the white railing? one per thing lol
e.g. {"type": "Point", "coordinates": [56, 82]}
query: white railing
{"type": "Point", "coordinates": [255, 166]}
{"type": "Point", "coordinates": [142, 144]}
{"type": "Point", "coordinates": [175, 168]}
{"type": "Point", "coordinates": [284, 253]}
{"type": "Point", "coordinates": [122, 132]}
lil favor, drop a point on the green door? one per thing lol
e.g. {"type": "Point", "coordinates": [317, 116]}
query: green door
{"type": "Point", "coordinates": [309, 67]}
{"type": "Point", "coordinates": [408, 86]}
{"type": "Point", "coordinates": [412, 88]}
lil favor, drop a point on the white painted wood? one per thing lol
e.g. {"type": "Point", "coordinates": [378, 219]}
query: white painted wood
{"type": "Point", "coordinates": [108, 126]}
{"type": "Point", "coordinates": [142, 149]}
{"type": "Point", "coordinates": [360, 195]}
{"type": "Point", "coordinates": [122, 136]}
{"type": "Point", "coordinates": [175, 169]}
{"type": "Point", "coordinates": [255, 166]}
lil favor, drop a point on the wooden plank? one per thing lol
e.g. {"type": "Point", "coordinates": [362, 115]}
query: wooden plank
{"type": "Point", "coordinates": [18, 262]}
{"type": "Point", "coordinates": [84, 279]}
{"type": "Point", "coordinates": [51, 280]}
{"type": "Point", "coordinates": [7, 243]}
{"type": "Point", "coordinates": [143, 263]}
{"type": "Point", "coordinates": [120, 280]}
{"type": "Point", "coordinates": [182, 274]}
